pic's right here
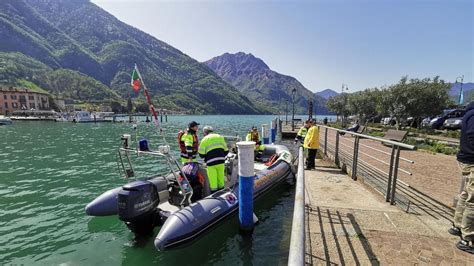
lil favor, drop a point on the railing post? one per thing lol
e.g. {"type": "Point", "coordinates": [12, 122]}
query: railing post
{"type": "Point", "coordinates": [336, 152]}
{"type": "Point", "coordinates": [354, 158]}
{"type": "Point", "coordinates": [395, 175]}
{"type": "Point", "coordinates": [326, 141]}
{"type": "Point", "coordinates": [273, 131]}
{"type": "Point", "coordinates": [297, 240]}
{"type": "Point", "coordinates": [390, 172]}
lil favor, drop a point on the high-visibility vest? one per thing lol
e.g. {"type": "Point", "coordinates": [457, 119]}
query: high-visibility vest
{"type": "Point", "coordinates": [188, 144]}
{"type": "Point", "coordinates": [252, 136]}
{"type": "Point", "coordinates": [213, 149]}
{"type": "Point", "coordinates": [301, 133]}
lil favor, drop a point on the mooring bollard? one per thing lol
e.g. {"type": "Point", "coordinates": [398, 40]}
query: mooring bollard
{"type": "Point", "coordinates": [246, 177]}
{"type": "Point", "coordinates": [273, 131]}
{"type": "Point", "coordinates": [265, 137]}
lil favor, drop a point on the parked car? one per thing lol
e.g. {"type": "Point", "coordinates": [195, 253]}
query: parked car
{"type": "Point", "coordinates": [454, 120]}
{"type": "Point", "coordinates": [426, 122]}
{"type": "Point", "coordinates": [374, 119]}
{"type": "Point", "coordinates": [388, 121]}
{"type": "Point", "coordinates": [438, 122]}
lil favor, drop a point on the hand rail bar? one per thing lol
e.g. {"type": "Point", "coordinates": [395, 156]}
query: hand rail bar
{"type": "Point", "coordinates": [297, 242]}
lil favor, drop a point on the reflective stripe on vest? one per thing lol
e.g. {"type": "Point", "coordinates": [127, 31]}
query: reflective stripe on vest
{"type": "Point", "coordinates": [215, 159]}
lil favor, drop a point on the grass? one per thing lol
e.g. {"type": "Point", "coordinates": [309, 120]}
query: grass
{"type": "Point", "coordinates": [31, 86]}
{"type": "Point", "coordinates": [425, 131]}
{"type": "Point", "coordinates": [433, 146]}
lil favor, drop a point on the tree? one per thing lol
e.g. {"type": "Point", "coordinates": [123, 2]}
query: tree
{"type": "Point", "coordinates": [364, 103]}
{"type": "Point", "coordinates": [142, 108]}
{"type": "Point", "coordinates": [430, 97]}
{"type": "Point", "coordinates": [415, 98]}
{"type": "Point", "coordinates": [338, 105]}
{"type": "Point", "coordinates": [116, 107]}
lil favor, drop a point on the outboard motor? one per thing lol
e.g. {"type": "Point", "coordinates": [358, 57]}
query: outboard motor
{"type": "Point", "coordinates": [137, 206]}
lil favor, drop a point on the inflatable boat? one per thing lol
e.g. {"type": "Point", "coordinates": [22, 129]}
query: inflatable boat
{"type": "Point", "coordinates": [166, 200]}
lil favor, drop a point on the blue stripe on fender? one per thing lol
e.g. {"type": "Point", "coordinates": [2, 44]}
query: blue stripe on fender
{"type": "Point", "coordinates": [246, 202]}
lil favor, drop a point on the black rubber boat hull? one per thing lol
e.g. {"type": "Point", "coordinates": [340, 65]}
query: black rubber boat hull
{"type": "Point", "coordinates": [106, 203]}
{"type": "Point", "coordinates": [193, 221]}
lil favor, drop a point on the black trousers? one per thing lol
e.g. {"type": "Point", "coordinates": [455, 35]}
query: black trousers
{"type": "Point", "coordinates": [311, 157]}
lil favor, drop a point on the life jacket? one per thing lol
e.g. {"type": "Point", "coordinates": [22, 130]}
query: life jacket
{"type": "Point", "coordinates": [253, 136]}
{"type": "Point", "coordinates": [182, 145]}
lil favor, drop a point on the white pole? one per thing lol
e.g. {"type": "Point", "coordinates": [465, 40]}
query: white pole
{"type": "Point", "coordinates": [246, 179]}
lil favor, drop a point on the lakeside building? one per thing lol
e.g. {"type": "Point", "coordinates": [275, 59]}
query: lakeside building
{"type": "Point", "coordinates": [14, 99]}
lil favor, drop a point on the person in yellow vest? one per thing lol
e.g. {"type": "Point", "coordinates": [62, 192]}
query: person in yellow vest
{"type": "Point", "coordinates": [213, 149]}
{"type": "Point", "coordinates": [311, 143]}
{"type": "Point", "coordinates": [259, 147]}
{"type": "Point", "coordinates": [188, 143]}
{"type": "Point", "coordinates": [302, 132]}
{"type": "Point", "coordinates": [252, 135]}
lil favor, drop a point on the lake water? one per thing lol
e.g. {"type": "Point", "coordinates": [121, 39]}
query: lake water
{"type": "Point", "coordinates": [49, 171]}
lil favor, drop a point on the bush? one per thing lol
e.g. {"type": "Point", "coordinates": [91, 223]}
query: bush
{"type": "Point", "coordinates": [454, 134]}
{"type": "Point", "coordinates": [433, 146]}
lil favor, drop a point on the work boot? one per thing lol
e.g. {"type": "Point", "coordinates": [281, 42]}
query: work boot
{"type": "Point", "coordinates": [466, 246]}
{"type": "Point", "coordinates": [455, 231]}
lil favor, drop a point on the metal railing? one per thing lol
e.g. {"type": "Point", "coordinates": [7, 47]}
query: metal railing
{"type": "Point", "coordinates": [297, 242]}
{"type": "Point", "coordinates": [366, 160]}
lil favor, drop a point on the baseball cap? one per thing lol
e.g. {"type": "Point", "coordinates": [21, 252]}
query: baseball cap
{"type": "Point", "coordinates": [193, 123]}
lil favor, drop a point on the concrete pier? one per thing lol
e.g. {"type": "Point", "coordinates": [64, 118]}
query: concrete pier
{"type": "Point", "coordinates": [347, 222]}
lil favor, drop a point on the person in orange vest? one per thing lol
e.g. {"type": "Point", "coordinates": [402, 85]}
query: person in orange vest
{"type": "Point", "coordinates": [189, 143]}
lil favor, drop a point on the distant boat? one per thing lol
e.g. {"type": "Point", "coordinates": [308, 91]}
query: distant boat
{"type": "Point", "coordinates": [87, 117]}
{"type": "Point", "coordinates": [5, 120]}
{"type": "Point", "coordinates": [34, 115]}
{"type": "Point", "coordinates": [64, 117]}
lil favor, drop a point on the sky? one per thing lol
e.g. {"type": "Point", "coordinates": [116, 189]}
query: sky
{"type": "Point", "coordinates": [323, 44]}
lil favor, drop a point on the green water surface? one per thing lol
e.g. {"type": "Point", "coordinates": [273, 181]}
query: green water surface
{"type": "Point", "coordinates": [50, 170]}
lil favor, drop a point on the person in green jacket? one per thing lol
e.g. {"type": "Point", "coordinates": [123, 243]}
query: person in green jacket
{"type": "Point", "coordinates": [213, 149]}
{"type": "Point", "coordinates": [188, 143]}
{"type": "Point", "coordinates": [303, 131]}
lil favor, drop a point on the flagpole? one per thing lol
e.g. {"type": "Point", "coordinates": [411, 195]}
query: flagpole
{"type": "Point", "coordinates": [171, 157]}
{"type": "Point", "coordinates": [150, 103]}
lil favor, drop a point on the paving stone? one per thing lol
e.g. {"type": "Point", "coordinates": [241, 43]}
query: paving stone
{"type": "Point", "coordinates": [347, 223]}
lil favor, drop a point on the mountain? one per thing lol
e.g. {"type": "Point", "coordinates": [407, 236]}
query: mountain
{"type": "Point", "coordinates": [20, 70]}
{"type": "Point", "coordinates": [456, 87]}
{"type": "Point", "coordinates": [327, 93]}
{"type": "Point", "coordinates": [253, 78]}
{"type": "Point", "coordinates": [78, 36]}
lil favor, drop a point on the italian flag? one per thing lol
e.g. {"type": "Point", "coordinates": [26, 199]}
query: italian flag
{"type": "Point", "coordinates": [135, 82]}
